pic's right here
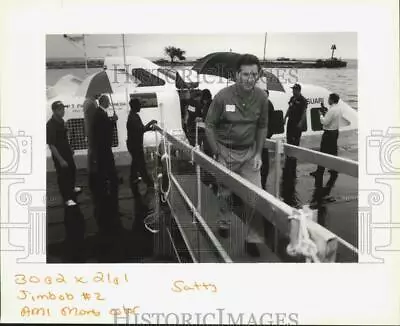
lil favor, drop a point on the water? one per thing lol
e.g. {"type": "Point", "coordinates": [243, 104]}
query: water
{"type": "Point", "coordinates": [342, 81]}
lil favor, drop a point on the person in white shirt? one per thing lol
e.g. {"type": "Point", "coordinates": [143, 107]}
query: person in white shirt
{"type": "Point", "coordinates": [330, 119]}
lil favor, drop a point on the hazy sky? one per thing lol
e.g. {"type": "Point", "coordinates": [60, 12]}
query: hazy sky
{"type": "Point", "coordinates": [292, 45]}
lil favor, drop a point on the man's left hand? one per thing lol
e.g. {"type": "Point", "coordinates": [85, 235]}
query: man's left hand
{"type": "Point", "coordinates": [257, 162]}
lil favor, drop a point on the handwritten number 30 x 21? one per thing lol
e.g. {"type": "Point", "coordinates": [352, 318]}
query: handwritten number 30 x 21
{"type": "Point", "coordinates": [100, 277]}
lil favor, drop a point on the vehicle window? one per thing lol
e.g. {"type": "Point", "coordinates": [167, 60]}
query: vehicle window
{"type": "Point", "coordinates": [147, 100]}
{"type": "Point", "coordinates": [146, 78]}
{"type": "Point", "coordinates": [277, 124]}
{"type": "Point", "coordinates": [169, 73]}
{"type": "Point", "coordinates": [76, 134]}
{"type": "Point", "coordinates": [315, 119]}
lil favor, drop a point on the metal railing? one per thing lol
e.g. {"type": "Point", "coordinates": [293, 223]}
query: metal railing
{"type": "Point", "coordinates": [339, 164]}
{"type": "Point", "coordinates": [265, 201]}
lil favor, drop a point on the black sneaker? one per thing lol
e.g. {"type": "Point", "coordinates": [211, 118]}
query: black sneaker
{"type": "Point", "coordinates": [223, 228]}
{"type": "Point", "coordinates": [251, 249]}
{"type": "Point", "coordinates": [328, 199]}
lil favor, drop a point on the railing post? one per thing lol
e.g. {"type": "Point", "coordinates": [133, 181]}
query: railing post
{"type": "Point", "coordinates": [198, 172]}
{"type": "Point", "coordinates": [278, 151]}
{"type": "Point", "coordinates": [198, 192]}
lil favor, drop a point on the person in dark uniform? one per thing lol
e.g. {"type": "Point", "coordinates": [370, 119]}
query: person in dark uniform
{"type": "Point", "coordinates": [296, 114]}
{"type": "Point", "coordinates": [62, 154]}
{"type": "Point", "coordinates": [104, 180]}
{"type": "Point", "coordinates": [194, 114]}
{"type": "Point", "coordinates": [90, 106]}
{"type": "Point", "coordinates": [136, 130]}
{"type": "Point", "coordinates": [205, 102]}
{"type": "Point", "coordinates": [184, 96]}
{"type": "Point", "coordinates": [66, 171]}
{"type": "Point", "coordinates": [265, 153]}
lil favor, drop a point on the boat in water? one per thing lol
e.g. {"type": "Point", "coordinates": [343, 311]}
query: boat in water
{"type": "Point", "coordinates": [161, 90]}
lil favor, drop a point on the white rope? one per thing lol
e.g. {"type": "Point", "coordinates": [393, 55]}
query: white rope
{"type": "Point", "coordinates": [302, 244]}
{"type": "Point", "coordinates": [166, 157]}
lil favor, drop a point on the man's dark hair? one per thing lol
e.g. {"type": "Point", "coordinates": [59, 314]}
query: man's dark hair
{"type": "Point", "coordinates": [134, 103]}
{"type": "Point", "coordinates": [104, 100]}
{"type": "Point", "coordinates": [247, 60]}
{"type": "Point", "coordinates": [334, 97]}
{"type": "Point", "coordinates": [206, 94]}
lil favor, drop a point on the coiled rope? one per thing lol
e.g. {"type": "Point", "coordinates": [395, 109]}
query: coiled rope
{"type": "Point", "coordinates": [300, 241]}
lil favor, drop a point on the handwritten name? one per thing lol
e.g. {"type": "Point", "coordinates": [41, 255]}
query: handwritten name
{"type": "Point", "coordinates": [75, 311]}
{"type": "Point", "coordinates": [36, 311]}
{"type": "Point", "coordinates": [180, 286]}
{"type": "Point", "coordinates": [48, 296]}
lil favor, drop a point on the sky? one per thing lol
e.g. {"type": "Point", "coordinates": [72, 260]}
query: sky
{"type": "Point", "coordinates": [292, 45]}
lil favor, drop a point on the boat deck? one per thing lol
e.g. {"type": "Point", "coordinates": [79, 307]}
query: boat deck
{"type": "Point", "coordinates": [340, 217]}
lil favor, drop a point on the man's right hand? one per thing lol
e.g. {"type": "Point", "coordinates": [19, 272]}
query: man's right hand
{"type": "Point", "coordinates": [220, 159]}
{"type": "Point", "coordinates": [114, 117]}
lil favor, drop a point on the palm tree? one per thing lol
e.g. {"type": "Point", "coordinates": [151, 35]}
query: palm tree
{"type": "Point", "coordinates": [333, 48]}
{"type": "Point", "coordinates": [174, 52]}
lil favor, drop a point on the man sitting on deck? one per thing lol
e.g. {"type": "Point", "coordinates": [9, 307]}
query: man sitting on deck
{"type": "Point", "coordinates": [236, 127]}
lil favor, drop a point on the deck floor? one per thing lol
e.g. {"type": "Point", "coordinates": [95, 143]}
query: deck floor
{"type": "Point", "coordinates": [341, 216]}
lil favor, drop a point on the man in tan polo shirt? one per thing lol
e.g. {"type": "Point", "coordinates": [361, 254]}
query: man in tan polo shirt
{"type": "Point", "coordinates": [236, 129]}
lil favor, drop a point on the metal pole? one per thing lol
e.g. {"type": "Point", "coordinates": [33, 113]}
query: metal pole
{"type": "Point", "coordinates": [126, 72]}
{"type": "Point", "coordinates": [265, 45]}
{"type": "Point", "coordinates": [84, 50]}
{"type": "Point", "coordinates": [278, 151]}
{"type": "Point", "coordinates": [198, 192]}
{"type": "Point", "coordinates": [123, 49]}
{"type": "Point", "coordinates": [112, 104]}
{"type": "Point", "coordinates": [198, 172]}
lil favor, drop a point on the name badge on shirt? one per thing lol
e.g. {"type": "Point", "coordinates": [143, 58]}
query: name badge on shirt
{"type": "Point", "coordinates": [230, 108]}
{"type": "Point", "coordinates": [191, 109]}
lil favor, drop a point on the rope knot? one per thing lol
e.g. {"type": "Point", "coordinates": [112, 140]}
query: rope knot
{"type": "Point", "coordinates": [300, 241]}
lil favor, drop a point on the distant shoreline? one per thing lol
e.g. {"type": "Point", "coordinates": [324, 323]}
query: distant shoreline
{"type": "Point", "coordinates": [99, 63]}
